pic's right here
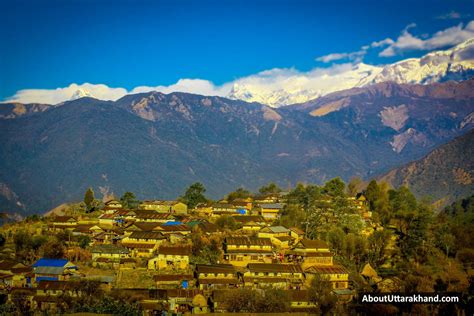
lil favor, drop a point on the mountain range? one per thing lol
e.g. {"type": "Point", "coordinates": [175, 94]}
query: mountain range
{"type": "Point", "coordinates": [456, 64]}
{"type": "Point", "coordinates": [157, 144]}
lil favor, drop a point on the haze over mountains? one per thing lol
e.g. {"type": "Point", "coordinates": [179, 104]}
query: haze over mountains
{"type": "Point", "coordinates": [156, 144]}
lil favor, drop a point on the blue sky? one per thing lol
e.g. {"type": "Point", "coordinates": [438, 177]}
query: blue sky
{"type": "Point", "coordinates": [51, 44]}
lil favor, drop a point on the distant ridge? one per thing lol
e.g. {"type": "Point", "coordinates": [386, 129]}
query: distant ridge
{"type": "Point", "coordinates": [445, 174]}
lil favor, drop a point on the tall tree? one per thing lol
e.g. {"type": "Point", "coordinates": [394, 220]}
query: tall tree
{"type": "Point", "coordinates": [194, 195]}
{"type": "Point", "coordinates": [89, 198]}
{"type": "Point", "coordinates": [129, 200]}
{"type": "Point", "coordinates": [354, 186]}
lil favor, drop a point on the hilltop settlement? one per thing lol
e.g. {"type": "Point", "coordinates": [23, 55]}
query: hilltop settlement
{"type": "Point", "coordinates": [311, 250]}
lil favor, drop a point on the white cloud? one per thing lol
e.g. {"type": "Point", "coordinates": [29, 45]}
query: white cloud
{"type": "Point", "coordinates": [353, 56]}
{"type": "Point", "coordinates": [453, 15]}
{"type": "Point", "coordinates": [54, 96]}
{"type": "Point", "coordinates": [444, 38]}
{"type": "Point", "coordinates": [104, 92]}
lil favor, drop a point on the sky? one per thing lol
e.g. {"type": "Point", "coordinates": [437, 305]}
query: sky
{"type": "Point", "coordinates": [51, 48]}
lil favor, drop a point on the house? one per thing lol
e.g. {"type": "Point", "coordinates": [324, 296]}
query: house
{"type": "Point", "coordinates": [153, 216]}
{"type": "Point", "coordinates": [171, 258]}
{"type": "Point", "coordinates": [336, 274]}
{"type": "Point", "coordinates": [219, 209]}
{"type": "Point", "coordinates": [113, 204]}
{"type": "Point", "coordinates": [186, 300]}
{"type": "Point", "coordinates": [279, 235]}
{"type": "Point", "coordinates": [216, 276]}
{"type": "Point", "coordinates": [143, 244]}
{"type": "Point", "coordinates": [266, 198]}
{"type": "Point", "coordinates": [270, 211]}
{"type": "Point", "coordinates": [108, 254]}
{"type": "Point", "coordinates": [56, 288]}
{"type": "Point", "coordinates": [64, 222]}
{"type": "Point", "coordinates": [16, 274]}
{"type": "Point", "coordinates": [244, 204]}
{"type": "Point", "coordinates": [107, 219]}
{"type": "Point", "coordinates": [82, 230]}
{"type": "Point", "coordinates": [250, 222]}
{"type": "Point", "coordinates": [53, 269]}
{"type": "Point", "coordinates": [174, 281]}
{"type": "Point", "coordinates": [142, 227]}
{"type": "Point", "coordinates": [242, 250]}
{"type": "Point", "coordinates": [204, 209]}
{"type": "Point", "coordinates": [174, 207]}
{"type": "Point", "coordinates": [310, 252]}
{"type": "Point", "coordinates": [296, 233]}
{"type": "Point", "coordinates": [283, 276]}
{"type": "Point", "coordinates": [174, 228]}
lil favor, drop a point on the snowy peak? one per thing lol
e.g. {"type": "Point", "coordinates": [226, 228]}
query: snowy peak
{"type": "Point", "coordinates": [80, 93]}
{"type": "Point", "coordinates": [292, 87]}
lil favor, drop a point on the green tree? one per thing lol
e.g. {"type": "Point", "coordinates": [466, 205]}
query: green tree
{"type": "Point", "coordinates": [321, 294]}
{"type": "Point", "coordinates": [84, 241]}
{"type": "Point", "coordinates": [354, 186]}
{"type": "Point", "coordinates": [372, 194]}
{"type": "Point", "coordinates": [378, 242]}
{"type": "Point", "coordinates": [270, 188]}
{"type": "Point", "coordinates": [240, 193]}
{"type": "Point", "coordinates": [336, 238]}
{"type": "Point", "coordinates": [194, 195]}
{"type": "Point", "coordinates": [334, 187]}
{"type": "Point", "coordinates": [52, 249]}
{"type": "Point", "coordinates": [23, 241]}
{"type": "Point", "coordinates": [89, 199]}
{"type": "Point", "coordinates": [226, 222]}
{"type": "Point", "coordinates": [129, 200]}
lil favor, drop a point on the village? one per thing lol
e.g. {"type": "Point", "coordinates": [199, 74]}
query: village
{"type": "Point", "coordinates": [177, 259]}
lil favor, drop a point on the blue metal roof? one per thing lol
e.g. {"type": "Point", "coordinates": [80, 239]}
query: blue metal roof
{"type": "Point", "coordinates": [171, 223]}
{"type": "Point", "coordinates": [45, 262]}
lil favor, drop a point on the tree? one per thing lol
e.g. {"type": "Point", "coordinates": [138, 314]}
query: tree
{"type": "Point", "coordinates": [194, 195]}
{"type": "Point", "coordinates": [378, 243]}
{"type": "Point", "coordinates": [270, 188]}
{"type": "Point", "coordinates": [2, 240]}
{"type": "Point", "coordinates": [23, 241]}
{"type": "Point", "coordinates": [53, 249]}
{"type": "Point", "coordinates": [84, 241]}
{"type": "Point", "coordinates": [89, 199]}
{"type": "Point", "coordinates": [226, 222]}
{"type": "Point", "coordinates": [334, 187]}
{"type": "Point", "coordinates": [129, 200]}
{"type": "Point", "coordinates": [321, 294]}
{"type": "Point", "coordinates": [372, 193]}
{"type": "Point", "coordinates": [337, 239]}
{"type": "Point", "coordinates": [240, 193]}
{"type": "Point", "coordinates": [354, 186]}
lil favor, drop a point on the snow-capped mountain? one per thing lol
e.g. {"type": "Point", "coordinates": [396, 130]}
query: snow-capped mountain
{"type": "Point", "coordinates": [80, 93]}
{"type": "Point", "coordinates": [294, 87]}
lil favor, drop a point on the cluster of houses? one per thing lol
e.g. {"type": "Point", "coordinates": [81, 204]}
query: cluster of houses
{"type": "Point", "coordinates": [154, 239]}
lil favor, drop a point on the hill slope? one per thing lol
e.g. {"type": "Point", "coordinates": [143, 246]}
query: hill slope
{"type": "Point", "coordinates": [445, 174]}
